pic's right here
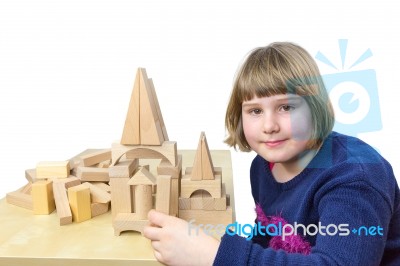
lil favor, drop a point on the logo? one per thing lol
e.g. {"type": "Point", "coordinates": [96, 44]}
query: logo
{"type": "Point", "coordinates": [354, 94]}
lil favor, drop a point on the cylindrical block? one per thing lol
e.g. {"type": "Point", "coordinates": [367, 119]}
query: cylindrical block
{"type": "Point", "coordinates": [143, 200]}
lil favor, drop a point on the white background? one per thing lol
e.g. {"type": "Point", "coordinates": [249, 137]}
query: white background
{"type": "Point", "coordinates": [67, 70]}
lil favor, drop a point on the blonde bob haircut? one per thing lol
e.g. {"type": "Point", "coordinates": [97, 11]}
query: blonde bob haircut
{"type": "Point", "coordinates": [279, 68]}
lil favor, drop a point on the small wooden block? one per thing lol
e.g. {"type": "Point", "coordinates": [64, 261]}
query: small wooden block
{"type": "Point", "coordinates": [196, 200]}
{"type": "Point", "coordinates": [220, 203]}
{"type": "Point", "coordinates": [121, 196]}
{"type": "Point", "coordinates": [168, 150]}
{"type": "Point", "coordinates": [104, 164]}
{"type": "Point", "coordinates": [56, 169]}
{"type": "Point", "coordinates": [165, 168]}
{"type": "Point", "coordinates": [123, 168]}
{"type": "Point", "coordinates": [184, 204]}
{"type": "Point", "coordinates": [208, 202]}
{"type": "Point", "coordinates": [79, 200]}
{"type": "Point", "coordinates": [30, 175]}
{"type": "Point", "coordinates": [62, 203]}
{"type": "Point", "coordinates": [95, 157]}
{"type": "Point", "coordinates": [68, 182]}
{"type": "Point", "coordinates": [174, 204]}
{"type": "Point", "coordinates": [20, 199]}
{"type": "Point", "coordinates": [150, 125]}
{"type": "Point", "coordinates": [98, 208]}
{"type": "Point", "coordinates": [128, 221]}
{"type": "Point", "coordinates": [163, 198]}
{"type": "Point", "coordinates": [131, 132]}
{"type": "Point", "coordinates": [93, 174]}
{"type": "Point", "coordinates": [142, 177]}
{"type": "Point", "coordinates": [102, 186]}
{"type": "Point", "coordinates": [143, 200]}
{"type": "Point", "coordinates": [211, 186]}
{"type": "Point", "coordinates": [97, 195]}
{"type": "Point", "coordinates": [43, 198]}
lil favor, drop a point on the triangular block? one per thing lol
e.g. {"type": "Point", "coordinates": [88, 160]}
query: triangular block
{"type": "Point", "coordinates": [131, 133]}
{"type": "Point", "coordinates": [142, 177]}
{"type": "Point", "coordinates": [144, 124]}
{"type": "Point", "coordinates": [203, 168]}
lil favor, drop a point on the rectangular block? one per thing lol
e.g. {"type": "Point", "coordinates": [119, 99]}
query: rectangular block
{"type": "Point", "coordinates": [52, 169]}
{"type": "Point", "coordinates": [124, 168]}
{"type": "Point", "coordinates": [184, 204]}
{"type": "Point", "coordinates": [163, 200]}
{"type": "Point", "coordinates": [95, 157]}
{"type": "Point", "coordinates": [62, 204]}
{"type": "Point", "coordinates": [79, 201]}
{"type": "Point", "coordinates": [93, 174]}
{"type": "Point", "coordinates": [98, 195]}
{"type": "Point", "coordinates": [122, 196]}
{"type": "Point", "coordinates": [98, 208]}
{"type": "Point", "coordinates": [165, 168]}
{"type": "Point", "coordinates": [68, 182]}
{"type": "Point", "coordinates": [220, 203]}
{"type": "Point", "coordinates": [43, 198]}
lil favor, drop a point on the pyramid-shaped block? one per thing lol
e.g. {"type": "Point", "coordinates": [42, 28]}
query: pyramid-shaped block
{"type": "Point", "coordinates": [144, 124]}
{"type": "Point", "coordinates": [203, 168]}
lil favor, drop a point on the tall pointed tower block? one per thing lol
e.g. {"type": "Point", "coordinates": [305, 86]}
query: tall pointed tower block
{"type": "Point", "coordinates": [203, 168]}
{"type": "Point", "coordinates": [144, 124]}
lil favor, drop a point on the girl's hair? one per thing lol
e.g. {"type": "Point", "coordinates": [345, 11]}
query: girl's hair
{"type": "Point", "coordinates": [279, 68]}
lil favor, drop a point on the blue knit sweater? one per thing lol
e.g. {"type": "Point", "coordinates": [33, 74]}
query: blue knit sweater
{"type": "Point", "coordinates": [347, 182]}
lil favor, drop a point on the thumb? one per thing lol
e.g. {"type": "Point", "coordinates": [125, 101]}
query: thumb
{"type": "Point", "coordinates": [157, 218]}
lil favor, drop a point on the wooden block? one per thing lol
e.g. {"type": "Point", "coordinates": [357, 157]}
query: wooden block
{"type": "Point", "coordinates": [206, 162]}
{"type": "Point", "coordinates": [30, 175]}
{"type": "Point", "coordinates": [163, 198]}
{"type": "Point", "coordinates": [197, 170]}
{"type": "Point", "coordinates": [158, 109]}
{"type": "Point", "coordinates": [20, 199]}
{"type": "Point", "coordinates": [43, 198]}
{"type": "Point", "coordinates": [122, 196]}
{"type": "Point", "coordinates": [102, 186]}
{"type": "Point", "coordinates": [143, 200]}
{"type": "Point", "coordinates": [167, 150]}
{"type": "Point", "coordinates": [196, 200]}
{"type": "Point", "coordinates": [98, 208]}
{"type": "Point", "coordinates": [211, 186]}
{"type": "Point", "coordinates": [68, 182]}
{"type": "Point", "coordinates": [79, 201]}
{"type": "Point", "coordinates": [27, 189]}
{"type": "Point", "coordinates": [142, 177]}
{"type": "Point", "coordinates": [124, 168]}
{"type": "Point", "coordinates": [220, 203]}
{"type": "Point", "coordinates": [174, 204]}
{"type": "Point", "coordinates": [128, 222]}
{"type": "Point", "coordinates": [202, 167]}
{"type": "Point", "coordinates": [93, 174]}
{"type": "Point", "coordinates": [184, 204]}
{"type": "Point", "coordinates": [131, 132]}
{"type": "Point", "coordinates": [55, 169]}
{"type": "Point", "coordinates": [208, 217]}
{"type": "Point", "coordinates": [95, 157]}
{"type": "Point", "coordinates": [62, 204]}
{"type": "Point", "coordinates": [97, 195]}
{"type": "Point", "coordinates": [104, 164]}
{"type": "Point", "coordinates": [208, 202]}
{"type": "Point", "coordinates": [165, 168]}
{"type": "Point", "coordinates": [150, 126]}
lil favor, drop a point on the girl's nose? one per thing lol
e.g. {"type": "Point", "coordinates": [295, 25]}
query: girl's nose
{"type": "Point", "coordinates": [270, 124]}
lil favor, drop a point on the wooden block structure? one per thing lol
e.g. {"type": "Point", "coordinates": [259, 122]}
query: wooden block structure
{"type": "Point", "coordinates": [144, 137]}
{"type": "Point", "coordinates": [202, 191]}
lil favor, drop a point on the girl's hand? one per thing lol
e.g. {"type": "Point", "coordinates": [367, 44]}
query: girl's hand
{"type": "Point", "coordinates": [173, 245]}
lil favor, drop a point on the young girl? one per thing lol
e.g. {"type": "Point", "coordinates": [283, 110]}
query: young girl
{"type": "Point", "coordinates": [338, 192]}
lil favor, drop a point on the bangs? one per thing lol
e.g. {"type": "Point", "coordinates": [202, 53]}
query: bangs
{"type": "Point", "coordinates": [268, 73]}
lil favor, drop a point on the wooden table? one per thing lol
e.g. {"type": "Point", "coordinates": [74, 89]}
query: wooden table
{"type": "Point", "coordinates": [27, 239]}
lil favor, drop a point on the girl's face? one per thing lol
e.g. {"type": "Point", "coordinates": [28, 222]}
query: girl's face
{"type": "Point", "coordinates": [278, 127]}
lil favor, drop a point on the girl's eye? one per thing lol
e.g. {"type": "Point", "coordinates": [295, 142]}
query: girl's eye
{"type": "Point", "coordinates": [286, 108]}
{"type": "Point", "coordinates": [256, 111]}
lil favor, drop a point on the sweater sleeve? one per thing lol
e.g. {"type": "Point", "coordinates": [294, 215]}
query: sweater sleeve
{"type": "Point", "coordinates": [355, 204]}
